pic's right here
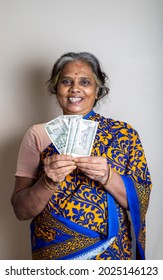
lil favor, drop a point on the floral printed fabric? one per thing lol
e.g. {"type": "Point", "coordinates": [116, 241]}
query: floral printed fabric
{"type": "Point", "coordinates": [83, 202]}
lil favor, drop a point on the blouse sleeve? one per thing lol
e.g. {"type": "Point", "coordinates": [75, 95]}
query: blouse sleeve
{"type": "Point", "coordinates": [29, 155]}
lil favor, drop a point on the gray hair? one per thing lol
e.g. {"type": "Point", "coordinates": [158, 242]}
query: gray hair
{"type": "Point", "coordinates": [99, 76]}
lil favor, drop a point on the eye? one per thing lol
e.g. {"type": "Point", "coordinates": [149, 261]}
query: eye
{"type": "Point", "coordinates": [66, 82]}
{"type": "Point", "coordinates": [85, 82]}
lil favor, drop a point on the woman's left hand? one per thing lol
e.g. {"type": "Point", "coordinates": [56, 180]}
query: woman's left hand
{"type": "Point", "coordinates": [96, 168]}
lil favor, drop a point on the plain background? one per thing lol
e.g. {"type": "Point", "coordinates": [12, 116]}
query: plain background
{"type": "Point", "coordinates": [127, 38]}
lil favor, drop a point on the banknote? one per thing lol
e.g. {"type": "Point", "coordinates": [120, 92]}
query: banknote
{"type": "Point", "coordinates": [73, 121]}
{"type": "Point", "coordinates": [69, 118]}
{"type": "Point", "coordinates": [84, 138]}
{"type": "Point", "coordinates": [72, 135]}
{"type": "Point", "coordinates": [57, 130]}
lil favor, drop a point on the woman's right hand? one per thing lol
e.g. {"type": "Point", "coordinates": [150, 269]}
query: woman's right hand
{"type": "Point", "coordinates": [57, 167]}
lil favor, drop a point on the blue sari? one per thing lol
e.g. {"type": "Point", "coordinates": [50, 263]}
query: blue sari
{"type": "Point", "coordinates": [82, 220]}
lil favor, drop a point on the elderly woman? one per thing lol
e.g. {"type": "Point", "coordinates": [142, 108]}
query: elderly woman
{"type": "Point", "coordinates": [79, 206]}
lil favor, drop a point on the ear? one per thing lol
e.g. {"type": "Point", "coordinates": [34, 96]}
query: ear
{"type": "Point", "coordinates": [97, 90]}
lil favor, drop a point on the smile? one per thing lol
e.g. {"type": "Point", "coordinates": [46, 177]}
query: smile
{"type": "Point", "coordinates": [75, 99]}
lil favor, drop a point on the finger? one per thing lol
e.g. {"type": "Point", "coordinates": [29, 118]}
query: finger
{"type": "Point", "coordinates": [83, 159]}
{"type": "Point", "coordinates": [91, 166]}
{"type": "Point", "coordinates": [62, 170]}
{"type": "Point", "coordinates": [59, 174]}
{"type": "Point", "coordinates": [62, 157]}
{"type": "Point", "coordinates": [90, 159]}
{"type": "Point", "coordinates": [58, 161]}
{"type": "Point", "coordinates": [58, 157]}
{"type": "Point", "coordinates": [60, 164]}
{"type": "Point", "coordinates": [99, 173]}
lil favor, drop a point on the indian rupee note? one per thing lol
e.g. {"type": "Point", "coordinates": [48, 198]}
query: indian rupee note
{"type": "Point", "coordinates": [71, 133]}
{"type": "Point", "coordinates": [84, 138]}
{"type": "Point", "coordinates": [57, 130]}
{"type": "Point", "coordinates": [68, 118]}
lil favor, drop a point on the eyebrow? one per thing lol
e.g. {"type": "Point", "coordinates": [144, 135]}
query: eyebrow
{"type": "Point", "coordinates": [68, 77]}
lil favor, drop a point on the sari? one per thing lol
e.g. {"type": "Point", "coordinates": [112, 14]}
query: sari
{"type": "Point", "coordinates": [82, 220]}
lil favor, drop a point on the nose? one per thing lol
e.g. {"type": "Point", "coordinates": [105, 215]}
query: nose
{"type": "Point", "coordinates": [74, 87]}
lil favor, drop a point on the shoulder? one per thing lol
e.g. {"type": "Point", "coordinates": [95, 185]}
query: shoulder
{"type": "Point", "coordinates": [37, 136]}
{"type": "Point", "coordinates": [37, 129]}
{"type": "Point", "coordinates": [116, 126]}
{"type": "Point", "coordinates": [122, 126]}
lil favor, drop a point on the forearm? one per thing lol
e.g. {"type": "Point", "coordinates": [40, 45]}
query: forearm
{"type": "Point", "coordinates": [29, 202]}
{"type": "Point", "coordinates": [117, 189]}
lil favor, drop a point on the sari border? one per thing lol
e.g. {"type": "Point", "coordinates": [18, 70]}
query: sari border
{"type": "Point", "coordinates": [113, 223]}
{"type": "Point", "coordinates": [91, 253]}
{"type": "Point", "coordinates": [101, 242]}
{"type": "Point", "coordinates": [96, 244]}
{"type": "Point", "coordinates": [134, 210]}
{"type": "Point", "coordinates": [76, 227]}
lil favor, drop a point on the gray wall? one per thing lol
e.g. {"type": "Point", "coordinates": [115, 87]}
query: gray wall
{"type": "Point", "coordinates": [127, 38]}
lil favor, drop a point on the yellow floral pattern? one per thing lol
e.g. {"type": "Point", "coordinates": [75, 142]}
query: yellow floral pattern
{"type": "Point", "coordinates": [84, 201]}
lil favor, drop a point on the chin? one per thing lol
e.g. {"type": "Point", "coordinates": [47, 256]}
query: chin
{"type": "Point", "coordinates": [73, 111]}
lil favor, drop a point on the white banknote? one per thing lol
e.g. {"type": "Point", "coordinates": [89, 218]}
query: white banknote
{"type": "Point", "coordinates": [72, 135]}
{"type": "Point", "coordinates": [84, 138]}
{"type": "Point", "coordinates": [69, 118]}
{"type": "Point", "coordinates": [58, 132]}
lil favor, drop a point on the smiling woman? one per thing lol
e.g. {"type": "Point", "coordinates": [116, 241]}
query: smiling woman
{"type": "Point", "coordinates": [92, 75]}
{"type": "Point", "coordinates": [79, 206]}
{"type": "Point", "coordinates": [77, 89]}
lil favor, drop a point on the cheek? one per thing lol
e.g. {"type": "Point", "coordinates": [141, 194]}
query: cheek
{"type": "Point", "coordinates": [92, 96]}
{"type": "Point", "coordinates": [61, 93]}
{"type": "Point", "coordinates": [60, 98]}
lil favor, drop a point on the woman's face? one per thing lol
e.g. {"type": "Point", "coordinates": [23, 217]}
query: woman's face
{"type": "Point", "coordinates": [76, 89]}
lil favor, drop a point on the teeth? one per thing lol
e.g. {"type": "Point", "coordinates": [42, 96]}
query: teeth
{"type": "Point", "coordinates": [75, 99]}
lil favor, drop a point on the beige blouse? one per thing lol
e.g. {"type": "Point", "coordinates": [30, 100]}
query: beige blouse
{"type": "Point", "coordinates": [34, 142]}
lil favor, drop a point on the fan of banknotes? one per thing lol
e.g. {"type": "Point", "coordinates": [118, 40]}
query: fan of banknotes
{"type": "Point", "coordinates": [72, 135]}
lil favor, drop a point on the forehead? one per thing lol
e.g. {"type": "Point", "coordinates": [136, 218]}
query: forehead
{"type": "Point", "coordinates": [77, 68]}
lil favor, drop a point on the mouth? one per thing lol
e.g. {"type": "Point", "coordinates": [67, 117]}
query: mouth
{"type": "Point", "coordinates": [75, 100]}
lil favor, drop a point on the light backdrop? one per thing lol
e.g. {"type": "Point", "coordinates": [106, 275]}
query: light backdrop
{"type": "Point", "coordinates": [127, 38]}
